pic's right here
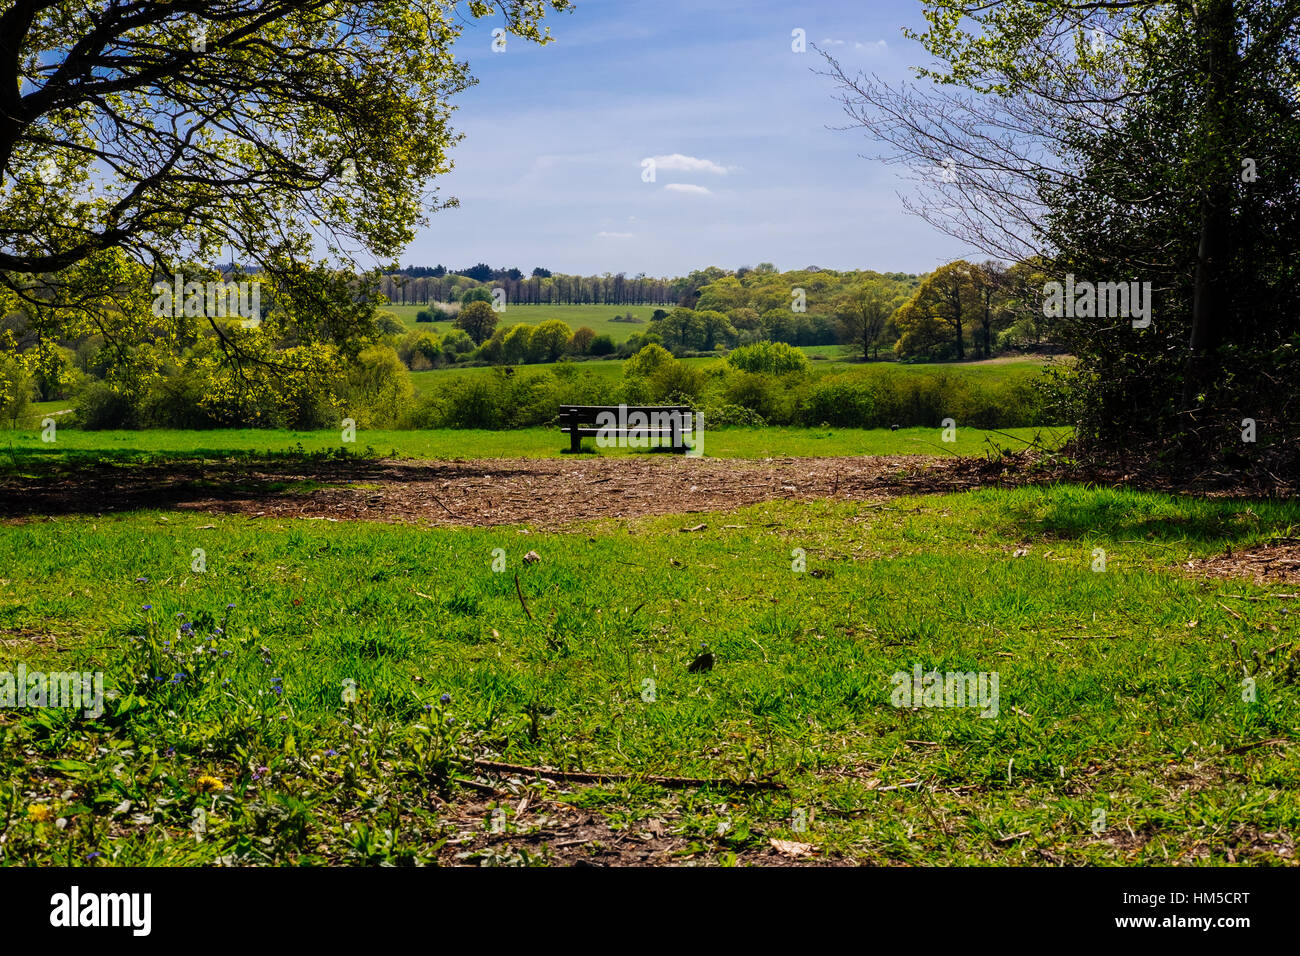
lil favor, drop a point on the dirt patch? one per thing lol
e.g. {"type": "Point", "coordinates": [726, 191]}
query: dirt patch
{"type": "Point", "coordinates": [533, 826]}
{"type": "Point", "coordinates": [540, 492]}
{"type": "Point", "coordinates": [1278, 564]}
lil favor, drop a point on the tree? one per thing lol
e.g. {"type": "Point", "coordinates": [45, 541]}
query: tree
{"type": "Point", "coordinates": [714, 327]}
{"type": "Point", "coordinates": [646, 361]}
{"type": "Point", "coordinates": [549, 341]}
{"type": "Point", "coordinates": [476, 294]}
{"type": "Point", "coordinates": [943, 305]}
{"type": "Point", "coordinates": [516, 343]}
{"type": "Point", "coordinates": [863, 315]}
{"type": "Point", "coordinates": [168, 130]}
{"type": "Point", "coordinates": [992, 283]}
{"type": "Point", "coordinates": [681, 328]}
{"type": "Point", "coordinates": [477, 319]}
{"type": "Point", "coordinates": [582, 339]}
{"type": "Point", "coordinates": [1121, 141]}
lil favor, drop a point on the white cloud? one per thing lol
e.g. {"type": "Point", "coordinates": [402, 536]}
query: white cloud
{"type": "Point", "coordinates": [689, 188]}
{"type": "Point", "coordinates": [878, 46]}
{"type": "Point", "coordinates": [690, 164]}
{"type": "Point", "coordinates": [613, 235]}
{"type": "Point", "coordinates": [829, 42]}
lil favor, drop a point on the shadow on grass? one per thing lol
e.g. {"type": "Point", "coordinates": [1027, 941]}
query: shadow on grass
{"type": "Point", "coordinates": [1071, 512]}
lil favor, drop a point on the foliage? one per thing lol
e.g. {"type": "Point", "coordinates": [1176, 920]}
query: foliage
{"type": "Point", "coordinates": [774, 357]}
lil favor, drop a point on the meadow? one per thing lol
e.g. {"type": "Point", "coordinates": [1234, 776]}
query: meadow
{"type": "Point", "coordinates": [596, 317]}
{"type": "Point", "coordinates": [23, 447]}
{"type": "Point", "coordinates": [326, 693]}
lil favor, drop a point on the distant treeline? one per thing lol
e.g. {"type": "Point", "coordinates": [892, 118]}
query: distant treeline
{"type": "Point", "coordinates": [423, 285]}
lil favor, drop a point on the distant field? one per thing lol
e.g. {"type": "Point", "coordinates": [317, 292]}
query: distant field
{"type": "Point", "coordinates": [597, 317]}
{"type": "Point", "coordinates": [18, 447]}
{"type": "Point", "coordinates": [994, 370]}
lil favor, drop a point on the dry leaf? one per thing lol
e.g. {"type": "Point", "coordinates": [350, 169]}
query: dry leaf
{"type": "Point", "coordinates": [791, 849]}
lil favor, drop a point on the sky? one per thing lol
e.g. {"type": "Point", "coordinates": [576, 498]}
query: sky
{"type": "Point", "coordinates": [752, 161]}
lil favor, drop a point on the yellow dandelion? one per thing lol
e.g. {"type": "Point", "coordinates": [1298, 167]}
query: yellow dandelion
{"type": "Point", "coordinates": [210, 784]}
{"type": "Point", "coordinates": [40, 813]}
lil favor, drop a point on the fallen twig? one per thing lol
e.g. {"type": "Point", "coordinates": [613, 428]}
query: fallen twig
{"type": "Point", "coordinates": [522, 602]}
{"type": "Point", "coordinates": [578, 776]}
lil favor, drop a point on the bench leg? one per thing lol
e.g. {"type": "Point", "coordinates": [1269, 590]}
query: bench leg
{"type": "Point", "coordinates": [575, 442]}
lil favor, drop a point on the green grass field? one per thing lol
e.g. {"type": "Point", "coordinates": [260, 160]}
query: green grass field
{"type": "Point", "coordinates": [597, 317]}
{"type": "Point", "coordinates": [997, 370]}
{"type": "Point", "coordinates": [26, 446]}
{"type": "Point", "coordinates": [284, 704]}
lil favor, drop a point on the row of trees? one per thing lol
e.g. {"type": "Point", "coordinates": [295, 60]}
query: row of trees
{"type": "Point", "coordinates": [557, 289]}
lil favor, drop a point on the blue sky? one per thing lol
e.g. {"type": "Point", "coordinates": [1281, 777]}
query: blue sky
{"type": "Point", "coordinates": [550, 174]}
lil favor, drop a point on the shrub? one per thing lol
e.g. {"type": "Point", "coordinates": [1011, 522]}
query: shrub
{"type": "Point", "coordinates": [388, 324]}
{"type": "Point", "coordinates": [376, 390]}
{"type": "Point", "coordinates": [419, 350]}
{"type": "Point", "coordinates": [601, 345]}
{"type": "Point", "coordinates": [549, 341]}
{"type": "Point", "coordinates": [457, 342]}
{"type": "Point", "coordinates": [646, 361]}
{"type": "Point", "coordinates": [16, 388]}
{"type": "Point", "coordinates": [101, 406]}
{"type": "Point", "coordinates": [777, 358]}
{"type": "Point", "coordinates": [676, 383]}
{"type": "Point", "coordinates": [516, 344]}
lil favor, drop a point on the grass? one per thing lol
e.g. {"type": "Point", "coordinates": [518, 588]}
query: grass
{"type": "Point", "coordinates": [1122, 735]}
{"type": "Point", "coordinates": [597, 317]}
{"type": "Point", "coordinates": [22, 447]}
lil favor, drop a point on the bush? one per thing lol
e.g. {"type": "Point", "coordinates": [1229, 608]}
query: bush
{"type": "Point", "coordinates": [776, 358]}
{"type": "Point", "coordinates": [419, 350]}
{"type": "Point", "coordinates": [457, 342]}
{"type": "Point", "coordinates": [549, 341]}
{"type": "Point", "coordinates": [16, 388]}
{"type": "Point", "coordinates": [388, 324]}
{"type": "Point", "coordinates": [100, 406]}
{"type": "Point", "coordinates": [646, 361]}
{"type": "Point", "coordinates": [377, 389]}
{"type": "Point", "coordinates": [581, 341]}
{"type": "Point", "coordinates": [676, 383]}
{"type": "Point", "coordinates": [601, 345]}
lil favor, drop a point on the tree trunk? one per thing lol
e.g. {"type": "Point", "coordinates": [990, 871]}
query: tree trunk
{"type": "Point", "coordinates": [1217, 34]}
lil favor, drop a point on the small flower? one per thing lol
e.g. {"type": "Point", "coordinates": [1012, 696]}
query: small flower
{"type": "Point", "coordinates": [230, 607]}
{"type": "Point", "coordinates": [445, 699]}
{"type": "Point", "coordinates": [141, 580]}
{"type": "Point", "coordinates": [40, 813]}
{"type": "Point", "coordinates": [208, 784]}
{"type": "Point", "coordinates": [331, 753]}
{"type": "Point", "coordinates": [147, 607]}
{"type": "Point", "coordinates": [93, 855]}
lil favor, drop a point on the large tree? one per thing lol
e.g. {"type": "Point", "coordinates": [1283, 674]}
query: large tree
{"type": "Point", "coordinates": [224, 130]}
{"type": "Point", "coordinates": [1118, 141]}
{"type": "Point", "coordinates": [863, 314]}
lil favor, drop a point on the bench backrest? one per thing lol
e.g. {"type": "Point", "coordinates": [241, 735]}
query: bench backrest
{"type": "Point", "coordinates": [588, 414]}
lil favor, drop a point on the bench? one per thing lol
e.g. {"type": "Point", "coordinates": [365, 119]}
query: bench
{"type": "Point", "coordinates": [635, 426]}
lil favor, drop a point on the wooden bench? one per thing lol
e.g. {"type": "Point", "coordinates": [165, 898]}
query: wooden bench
{"type": "Point", "coordinates": [650, 424]}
